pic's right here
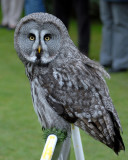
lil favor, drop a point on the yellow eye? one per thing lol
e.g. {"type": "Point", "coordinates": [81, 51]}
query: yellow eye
{"type": "Point", "coordinates": [32, 38]}
{"type": "Point", "coordinates": [47, 38]}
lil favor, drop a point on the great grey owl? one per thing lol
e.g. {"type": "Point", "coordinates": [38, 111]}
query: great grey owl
{"type": "Point", "coordinates": [66, 86]}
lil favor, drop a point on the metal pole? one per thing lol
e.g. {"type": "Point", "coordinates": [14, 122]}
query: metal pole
{"type": "Point", "coordinates": [57, 151]}
{"type": "Point", "coordinates": [49, 147]}
{"type": "Point", "coordinates": [65, 151]}
{"type": "Point", "coordinates": [77, 143]}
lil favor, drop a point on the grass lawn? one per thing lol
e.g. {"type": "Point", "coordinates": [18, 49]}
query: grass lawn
{"type": "Point", "coordinates": [20, 131]}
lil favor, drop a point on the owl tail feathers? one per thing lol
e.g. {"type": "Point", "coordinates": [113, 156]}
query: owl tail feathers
{"type": "Point", "coordinates": [118, 143]}
{"type": "Point", "coordinates": [112, 140]}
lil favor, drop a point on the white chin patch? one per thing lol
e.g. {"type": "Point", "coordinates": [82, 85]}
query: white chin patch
{"type": "Point", "coordinates": [47, 59]}
{"type": "Point", "coordinates": [44, 60]}
{"type": "Point", "coordinates": [31, 59]}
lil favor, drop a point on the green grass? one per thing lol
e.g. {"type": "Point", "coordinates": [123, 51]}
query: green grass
{"type": "Point", "coordinates": [20, 131]}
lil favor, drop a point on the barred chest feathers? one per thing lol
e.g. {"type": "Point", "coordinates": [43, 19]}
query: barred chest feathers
{"type": "Point", "coordinates": [47, 116]}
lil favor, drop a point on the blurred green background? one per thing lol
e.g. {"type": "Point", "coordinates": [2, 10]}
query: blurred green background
{"type": "Point", "coordinates": [20, 132]}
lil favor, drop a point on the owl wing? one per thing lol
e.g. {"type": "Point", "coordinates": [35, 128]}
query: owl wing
{"type": "Point", "coordinates": [79, 94]}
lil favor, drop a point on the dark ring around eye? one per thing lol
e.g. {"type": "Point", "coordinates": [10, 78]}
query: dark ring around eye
{"type": "Point", "coordinates": [47, 37]}
{"type": "Point", "coordinates": [31, 36]}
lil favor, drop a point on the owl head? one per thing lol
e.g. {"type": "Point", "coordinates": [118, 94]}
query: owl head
{"type": "Point", "coordinates": [39, 38]}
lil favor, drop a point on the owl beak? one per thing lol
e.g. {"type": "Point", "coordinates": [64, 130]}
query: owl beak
{"type": "Point", "coordinates": [39, 49]}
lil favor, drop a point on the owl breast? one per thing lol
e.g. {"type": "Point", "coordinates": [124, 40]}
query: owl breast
{"type": "Point", "coordinates": [48, 118]}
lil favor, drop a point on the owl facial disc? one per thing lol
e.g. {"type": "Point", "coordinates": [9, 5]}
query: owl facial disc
{"type": "Point", "coordinates": [39, 40]}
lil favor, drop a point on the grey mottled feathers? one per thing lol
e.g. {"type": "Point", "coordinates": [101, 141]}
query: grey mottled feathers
{"type": "Point", "coordinates": [78, 93]}
{"type": "Point", "coordinates": [69, 87]}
